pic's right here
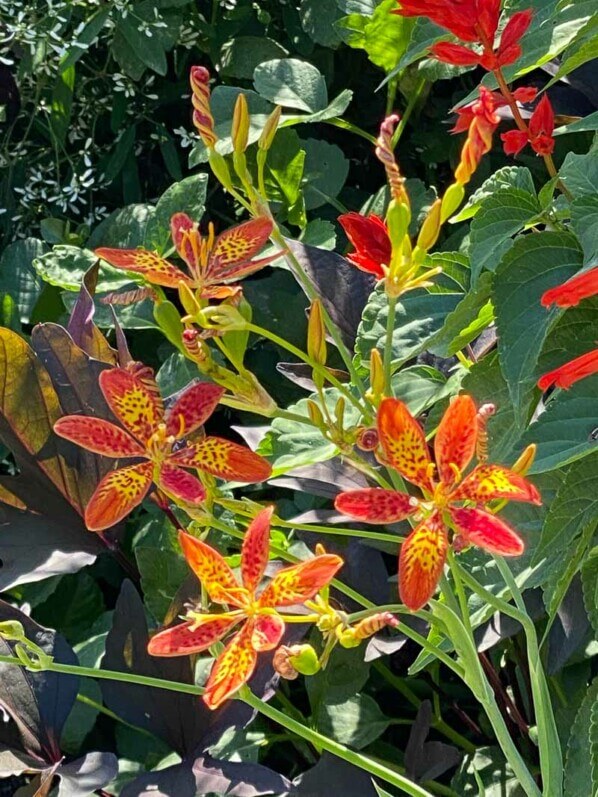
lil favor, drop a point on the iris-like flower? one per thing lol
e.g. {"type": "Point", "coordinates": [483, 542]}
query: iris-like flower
{"type": "Point", "coordinates": [539, 133]}
{"type": "Point", "coordinates": [159, 443]}
{"type": "Point", "coordinates": [213, 262]}
{"type": "Point", "coordinates": [569, 294]}
{"type": "Point", "coordinates": [369, 237]}
{"type": "Point", "coordinates": [262, 625]}
{"type": "Point", "coordinates": [450, 500]}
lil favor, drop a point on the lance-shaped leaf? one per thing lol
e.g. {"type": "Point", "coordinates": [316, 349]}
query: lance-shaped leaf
{"type": "Point", "coordinates": [81, 325]}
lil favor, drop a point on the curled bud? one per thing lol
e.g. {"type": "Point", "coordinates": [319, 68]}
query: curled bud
{"type": "Point", "coordinates": [194, 346]}
{"type": "Point", "coordinates": [316, 334]}
{"type": "Point", "coordinates": [430, 229]}
{"type": "Point", "coordinates": [351, 637]}
{"type": "Point", "coordinates": [202, 115]}
{"type": "Point", "coordinates": [267, 136]}
{"type": "Point", "coordinates": [486, 411]}
{"type": "Point", "coordinates": [290, 661]}
{"type": "Point", "coordinates": [240, 126]}
{"type": "Point", "coordinates": [384, 153]}
{"type": "Point", "coordinates": [367, 439]}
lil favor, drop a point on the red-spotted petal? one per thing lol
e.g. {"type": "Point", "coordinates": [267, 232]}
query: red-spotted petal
{"type": "Point", "coordinates": [233, 668]}
{"type": "Point", "coordinates": [375, 505]}
{"type": "Point", "coordinates": [118, 493]}
{"type": "Point", "coordinates": [456, 438]}
{"type": "Point", "coordinates": [403, 442]}
{"type": "Point", "coordinates": [153, 267]}
{"type": "Point", "coordinates": [224, 459]}
{"type": "Point", "coordinates": [187, 240]}
{"type": "Point", "coordinates": [177, 483]}
{"type": "Point", "coordinates": [211, 569]}
{"type": "Point", "coordinates": [487, 531]}
{"type": "Point", "coordinates": [137, 408]}
{"type": "Point", "coordinates": [256, 549]}
{"type": "Point", "coordinates": [235, 247]}
{"type": "Point", "coordinates": [99, 436]}
{"type": "Point", "coordinates": [421, 561]}
{"type": "Point", "coordinates": [299, 583]}
{"type": "Point", "coordinates": [184, 640]}
{"type": "Point", "coordinates": [487, 482]}
{"type": "Point", "coordinates": [268, 630]}
{"type": "Point", "coordinates": [193, 408]}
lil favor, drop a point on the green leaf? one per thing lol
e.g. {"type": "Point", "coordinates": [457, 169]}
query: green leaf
{"type": "Point", "coordinates": [533, 264]}
{"type": "Point", "coordinates": [419, 320]}
{"type": "Point", "coordinates": [292, 84]}
{"type": "Point", "coordinates": [581, 51]}
{"type": "Point", "coordinates": [318, 18]}
{"type": "Point", "coordinates": [62, 101]}
{"type": "Point", "coordinates": [384, 36]}
{"type": "Point", "coordinates": [73, 607]}
{"type": "Point", "coordinates": [499, 217]}
{"type": "Point", "coordinates": [335, 108]}
{"type": "Point", "coordinates": [589, 580]}
{"type": "Point", "coordinates": [485, 773]}
{"type": "Point", "coordinates": [66, 266]}
{"type": "Point", "coordinates": [125, 228]}
{"type": "Point", "coordinates": [582, 747]}
{"type": "Point", "coordinates": [286, 161]}
{"type": "Point", "coordinates": [472, 315]}
{"type": "Point", "coordinates": [176, 373]}
{"type": "Point", "coordinates": [584, 220]}
{"type": "Point", "coordinates": [573, 508]}
{"type": "Point", "coordinates": [344, 676]}
{"type": "Point", "coordinates": [162, 570]}
{"type": "Point", "coordinates": [243, 54]}
{"type": "Point", "coordinates": [580, 173]}
{"type": "Point", "coordinates": [169, 320]}
{"type": "Point", "coordinates": [565, 431]}
{"type": "Point", "coordinates": [187, 196]}
{"type": "Point", "coordinates": [324, 174]}
{"type": "Point", "coordinates": [356, 722]}
{"type": "Point", "coordinates": [588, 124]}
{"type": "Point", "coordinates": [420, 386]}
{"type": "Point", "coordinates": [120, 153]}
{"type": "Point", "coordinates": [18, 277]}
{"type": "Point", "coordinates": [86, 36]}
{"type": "Point", "coordinates": [149, 49]}
{"type": "Point", "coordinates": [506, 177]}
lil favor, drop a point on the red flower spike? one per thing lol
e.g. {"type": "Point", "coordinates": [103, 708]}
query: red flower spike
{"type": "Point", "coordinates": [263, 627]}
{"type": "Point", "coordinates": [212, 262]}
{"type": "Point", "coordinates": [570, 293]}
{"type": "Point", "coordinates": [455, 54]}
{"type": "Point", "coordinates": [461, 17]}
{"type": "Point", "coordinates": [423, 553]}
{"type": "Point", "coordinates": [568, 374]}
{"type": "Point", "coordinates": [369, 237]}
{"type": "Point", "coordinates": [159, 438]}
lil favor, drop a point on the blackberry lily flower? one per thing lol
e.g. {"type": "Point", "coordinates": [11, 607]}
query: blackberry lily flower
{"type": "Point", "coordinates": [450, 500]}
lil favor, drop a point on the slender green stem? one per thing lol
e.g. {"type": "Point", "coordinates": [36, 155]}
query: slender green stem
{"type": "Point", "coordinates": [406, 115]}
{"type": "Point", "coordinates": [101, 708]}
{"type": "Point", "coordinates": [341, 532]}
{"type": "Point", "coordinates": [460, 591]}
{"type": "Point", "coordinates": [345, 125]}
{"type": "Point", "coordinates": [390, 327]}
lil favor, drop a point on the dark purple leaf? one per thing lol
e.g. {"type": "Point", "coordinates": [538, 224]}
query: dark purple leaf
{"type": "Point", "coordinates": [81, 326]}
{"type": "Point", "coordinates": [86, 775]}
{"type": "Point", "coordinates": [325, 479]}
{"type": "Point", "coordinates": [333, 776]}
{"type": "Point", "coordinates": [301, 374]}
{"type": "Point", "coordinates": [569, 630]}
{"type": "Point", "coordinates": [426, 760]}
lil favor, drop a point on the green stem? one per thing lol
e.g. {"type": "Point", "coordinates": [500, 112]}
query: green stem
{"type": "Point", "coordinates": [408, 111]}
{"type": "Point", "coordinates": [390, 326]}
{"type": "Point", "coordinates": [87, 701]}
{"type": "Point", "coordinates": [344, 125]}
{"type": "Point", "coordinates": [341, 532]}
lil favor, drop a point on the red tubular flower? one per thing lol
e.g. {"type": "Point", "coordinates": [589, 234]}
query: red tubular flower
{"type": "Point", "coordinates": [566, 375]}
{"type": "Point", "coordinates": [262, 624]}
{"type": "Point", "coordinates": [159, 440]}
{"type": "Point", "coordinates": [369, 236]}
{"type": "Point", "coordinates": [451, 500]}
{"type": "Point", "coordinates": [539, 135]}
{"type": "Point", "coordinates": [570, 293]}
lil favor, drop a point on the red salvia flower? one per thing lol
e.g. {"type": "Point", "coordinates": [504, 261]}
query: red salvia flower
{"type": "Point", "coordinates": [369, 237]}
{"type": "Point", "coordinates": [539, 133]}
{"type": "Point", "coordinates": [450, 499]}
{"type": "Point", "coordinates": [262, 625]}
{"type": "Point", "coordinates": [566, 375]}
{"type": "Point", "coordinates": [157, 441]}
{"type": "Point", "coordinates": [212, 261]}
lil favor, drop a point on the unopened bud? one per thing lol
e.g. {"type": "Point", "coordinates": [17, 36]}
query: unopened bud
{"type": "Point", "coordinates": [376, 374]}
{"type": "Point", "coordinates": [240, 126]}
{"type": "Point", "coordinates": [188, 300]}
{"type": "Point", "coordinates": [220, 169]}
{"type": "Point", "coordinates": [316, 334]}
{"type": "Point", "coordinates": [367, 439]}
{"type": "Point", "coordinates": [398, 218]}
{"type": "Point", "coordinates": [267, 136]}
{"type": "Point", "coordinates": [525, 460]}
{"type": "Point", "coordinates": [221, 317]}
{"type": "Point", "coordinates": [453, 196]}
{"type": "Point", "coordinates": [430, 229]}
{"type": "Point", "coordinates": [315, 414]}
{"type": "Point", "coordinates": [202, 114]}
{"type": "Point", "coordinates": [339, 412]}
{"type": "Point", "coordinates": [290, 661]}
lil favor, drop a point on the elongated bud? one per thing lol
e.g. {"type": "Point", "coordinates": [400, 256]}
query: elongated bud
{"type": "Point", "coordinates": [339, 412]}
{"type": "Point", "coordinates": [486, 411]}
{"type": "Point", "coordinates": [525, 460]}
{"type": "Point", "coordinates": [384, 153]}
{"type": "Point", "coordinates": [430, 229]}
{"type": "Point", "coordinates": [290, 661]}
{"type": "Point", "coordinates": [315, 414]}
{"type": "Point", "coordinates": [351, 637]}
{"type": "Point", "coordinates": [240, 126]}
{"type": "Point", "coordinates": [220, 169]}
{"type": "Point", "coordinates": [195, 347]}
{"type": "Point", "coordinates": [376, 374]}
{"type": "Point", "coordinates": [316, 334]}
{"type": "Point", "coordinates": [188, 300]}
{"type": "Point", "coordinates": [451, 201]}
{"type": "Point", "coordinates": [202, 114]}
{"type": "Point", "coordinates": [267, 136]}
{"type": "Point", "coordinates": [398, 218]}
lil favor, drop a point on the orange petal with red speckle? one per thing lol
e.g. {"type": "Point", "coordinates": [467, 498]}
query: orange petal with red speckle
{"type": "Point", "coordinates": [299, 583]}
{"type": "Point", "coordinates": [184, 640]}
{"type": "Point", "coordinates": [118, 493]}
{"type": "Point", "coordinates": [487, 482]}
{"type": "Point", "coordinates": [421, 561]}
{"type": "Point", "coordinates": [225, 459]}
{"type": "Point", "coordinates": [235, 247]}
{"type": "Point", "coordinates": [375, 505]}
{"type": "Point", "coordinates": [256, 549]}
{"type": "Point", "coordinates": [268, 630]}
{"type": "Point", "coordinates": [139, 410]}
{"type": "Point", "coordinates": [403, 442]}
{"type": "Point", "coordinates": [193, 408]}
{"type": "Point", "coordinates": [181, 485]}
{"type": "Point", "coordinates": [212, 570]}
{"type": "Point", "coordinates": [153, 267]}
{"type": "Point", "coordinates": [233, 668]}
{"type": "Point", "coordinates": [487, 531]}
{"type": "Point", "coordinates": [456, 437]}
{"type": "Point", "coordinates": [99, 436]}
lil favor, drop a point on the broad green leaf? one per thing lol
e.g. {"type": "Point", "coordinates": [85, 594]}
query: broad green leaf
{"type": "Point", "coordinates": [242, 54]}
{"type": "Point", "coordinates": [118, 157]}
{"type": "Point", "coordinates": [292, 84]}
{"type": "Point", "coordinates": [124, 228]}
{"type": "Point", "coordinates": [589, 580]}
{"type": "Point", "coordinates": [18, 277]}
{"type": "Point", "coordinates": [581, 51]}
{"type": "Point", "coordinates": [169, 320]}
{"type": "Point", "coordinates": [506, 177]}
{"type": "Point", "coordinates": [582, 747]}
{"type": "Point", "coordinates": [419, 319]}
{"type": "Point", "coordinates": [561, 570]}
{"type": "Point", "coordinates": [580, 173]}
{"type": "Point", "coordinates": [584, 220]}
{"type": "Point", "coordinates": [355, 722]}
{"type": "Point", "coordinates": [62, 101]}
{"type": "Point", "coordinates": [335, 108]}
{"type": "Point", "coordinates": [74, 606]}
{"type": "Point", "coordinates": [65, 266]}
{"type": "Point", "coordinates": [473, 314]}
{"type": "Point", "coordinates": [421, 386]}
{"type": "Point", "coordinates": [318, 18]}
{"type": "Point", "coordinates": [574, 507]}
{"type": "Point", "coordinates": [286, 161]}
{"type": "Point", "coordinates": [324, 174]}
{"type": "Point", "coordinates": [573, 334]}
{"type": "Point", "coordinates": [565, 432]}
{"type": "Point", "coordinates": [162, 567]}
{"type": "Point", "coordinates": [589, 123]}
{"type": "Point", "coordinates": [485, 773]}
{"type": "Point", "coordinates": [187, 196]}
{"type": "Point", "coordinates": [176, 373]}
{"type": "Point", "coordinates": [384, 36]}
{"type": "Point", "coordinates": [534, 263]}
{"type": "Point", "coordinates": [85, 37]}
{"type": "Point", "coordinates": [499, 217]}
{"type": "Point", "coordinates": [344, 676]}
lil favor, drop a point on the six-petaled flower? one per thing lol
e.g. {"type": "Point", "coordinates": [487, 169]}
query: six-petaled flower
{"type": "Point", "coordinates": [450, 499]}
{"type": "Point", "coordinates": [158, 442]}
{"type": "Point", "coordinates": [257, 613]}
{"type": "Point", "coordinates": [213, 261]}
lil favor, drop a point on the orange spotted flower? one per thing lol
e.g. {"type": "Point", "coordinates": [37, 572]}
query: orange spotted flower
{"type": "Point", "coordinates": [213, 262]}
{"type": "Point", "coordinates": [158, 442]}
{"type": "Point", "coordinates": [451, 499]}
{"type": "Point", "coordinates": [262, 625]}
